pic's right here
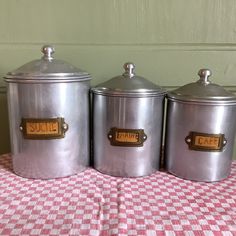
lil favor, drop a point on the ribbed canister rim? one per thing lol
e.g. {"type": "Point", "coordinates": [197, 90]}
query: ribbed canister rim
{"type": "Point", "coordinates": [203, 91]}
{"type": "Point", "coordinates": [47, 69]}
{"type": "Point", "coordinates": [128, 85]}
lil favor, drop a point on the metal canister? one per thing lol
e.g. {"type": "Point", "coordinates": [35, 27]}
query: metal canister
{"type": "Point", "coordinates": [48, 103]}
{"type": "Point", "coordinates": [127, 125]}
{"type": "Point", "coordinates": [200, 130]}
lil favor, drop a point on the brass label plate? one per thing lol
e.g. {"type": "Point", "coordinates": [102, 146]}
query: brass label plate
{"type": "Point", "coordinates": [49, 128]}
{"type": "Point", "coordinates": [206, 142]}
{"type": "Point", "coordinates": [127, 137]}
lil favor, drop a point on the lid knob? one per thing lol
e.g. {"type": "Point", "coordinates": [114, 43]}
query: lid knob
{"type": "Point", "coordinates": [47, 50]}
{"type": "Point", "coordinates": [129, 69]}
{"type": "Point", "coordinates": [204, 74]}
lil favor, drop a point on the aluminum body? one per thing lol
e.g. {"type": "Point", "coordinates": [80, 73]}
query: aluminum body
{"type": "Point", "coordinates": [127, 125]}
{"type": "Point", "coordinates": [127, 113]}
{"type": "Point", "coordinates": [55, 157]}
{"type": "Point", "coordinates": [48, 96]}
{"type": "Point", "coordinates": [183, 118]}
{"type": "Point", "coordinates": [207, 117]}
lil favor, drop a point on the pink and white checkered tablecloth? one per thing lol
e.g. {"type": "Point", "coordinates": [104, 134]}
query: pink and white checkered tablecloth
{"type": "Point", "coordinates": [91, 203]}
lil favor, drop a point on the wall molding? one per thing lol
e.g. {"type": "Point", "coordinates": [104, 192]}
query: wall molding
{"type": "Point", "coordinates": [131, 45]}
{"type": "Point", "coordinates": [3, 89]}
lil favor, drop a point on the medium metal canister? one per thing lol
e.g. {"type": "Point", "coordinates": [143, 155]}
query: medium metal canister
{"type": "Point", "coordinates": [127, 125]}
{"type": "Point", "coordinates": [200, 130]}
{"type": "Point", "coordinates": [48, 102]}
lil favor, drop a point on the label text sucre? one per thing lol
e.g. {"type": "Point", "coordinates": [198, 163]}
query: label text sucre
{"type": "Point", "coordinates": [42, 128]}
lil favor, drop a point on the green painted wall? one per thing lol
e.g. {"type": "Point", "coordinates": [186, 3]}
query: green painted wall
{"type": "Point", "coordinates": [168, 40]}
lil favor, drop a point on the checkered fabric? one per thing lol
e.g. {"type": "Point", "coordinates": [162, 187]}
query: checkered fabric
{"type": "Point", "coordinates": [91, 203]}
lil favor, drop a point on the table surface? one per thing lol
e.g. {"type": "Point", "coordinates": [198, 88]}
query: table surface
{"type": "Point", "coordinates": [91, 203]}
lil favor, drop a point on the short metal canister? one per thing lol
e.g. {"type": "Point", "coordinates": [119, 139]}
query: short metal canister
{"type": "Point", "coordinates": [127, 125]}
{"type": "Point", "coordinates": [200, 130]}
{"type": "Point", "coordinates": [48, 102]}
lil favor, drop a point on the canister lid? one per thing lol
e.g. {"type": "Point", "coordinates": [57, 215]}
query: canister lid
{"type": "Point", "coordinates": [202, 91]}
{"type": "Point", "coordinates": [47, 69]}
{"type": "Point", "coordinates": [129, 85]}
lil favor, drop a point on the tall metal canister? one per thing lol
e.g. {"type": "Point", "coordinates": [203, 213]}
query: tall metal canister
{"type": "Point", "coordinates": [200, 130]}
{"type": "Point", "coordinates": [48, 102]}
{"type": "Point", "coordinates": [127, 125]}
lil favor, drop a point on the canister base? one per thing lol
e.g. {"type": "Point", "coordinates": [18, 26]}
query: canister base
{"type": "Point", "coordinates": [126, 175]}
{"type": "Point", "coordinates": [198, 179]}
{"type": "Point", "coordinates": [47, 177]}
